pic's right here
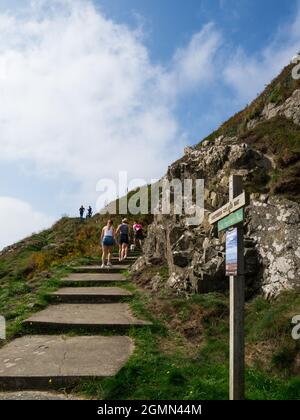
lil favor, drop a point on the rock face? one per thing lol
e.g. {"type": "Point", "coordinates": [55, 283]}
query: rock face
{"type": "Point", "coordinates": [289, 109]}
{"type": "Point", "coordinates": [274, 225]}
{"type": "Point", "coordinates": [195, 254]}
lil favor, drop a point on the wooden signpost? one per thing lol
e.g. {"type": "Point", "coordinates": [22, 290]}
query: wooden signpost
{"type": "Point", "coordinates": [232, 214]}
{"type": "Point", "coordinates": [234, 204]}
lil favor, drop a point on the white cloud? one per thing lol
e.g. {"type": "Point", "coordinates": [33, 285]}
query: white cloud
{"type": "Point", "coordinates": [79, 96]}
{"type": "Point", "coordinates": [194, 64]}
{"type": "Point", "coordinates": [18, 220]}
{"type": "Point", "coordinates": [82, 98]}
{"type": "Point", "coordinates": [248, 74]}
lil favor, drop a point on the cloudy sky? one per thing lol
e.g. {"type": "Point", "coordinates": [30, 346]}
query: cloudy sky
{"type": "Point", "coordinates": [92, 87]}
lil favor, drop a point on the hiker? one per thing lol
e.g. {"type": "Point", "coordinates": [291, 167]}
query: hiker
{"type": "Point", "coordinates": [123, 231]}
{"type": "Point", "coordinates": [89, 212]}
{"type": "Point", "coordinates": [138, 233]}
{"type": "Point", "coordinates": [107, 241]}
{"type": "Point", "coordinates": [81, 212]}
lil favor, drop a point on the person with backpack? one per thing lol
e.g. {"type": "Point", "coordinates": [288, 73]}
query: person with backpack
{"type": "Point", "coordinates": [124, 238]}
{"type": "Point", "coordinates": [107, 242]}
{"type": "Point", "coordinates": [138, 233]}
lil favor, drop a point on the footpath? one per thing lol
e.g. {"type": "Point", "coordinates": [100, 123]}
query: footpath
{"type": "Point", "coordinates": [90, 300]}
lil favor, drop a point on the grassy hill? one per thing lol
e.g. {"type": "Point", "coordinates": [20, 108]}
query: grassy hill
{"type": "Point", "coordinates": [277, 137]}
{"type": "Point", "coordinates": [186, 356]}
{"type": "Point", "coordinates": [32, 267]}
{"type": "Point", "coordinates": [276, 93]}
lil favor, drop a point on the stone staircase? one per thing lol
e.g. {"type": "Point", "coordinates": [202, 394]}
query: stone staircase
{"type": "Point", "coordinates": [59, 351]}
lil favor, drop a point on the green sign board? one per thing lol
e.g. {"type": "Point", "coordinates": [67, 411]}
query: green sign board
{"type": "Point", "coordinates": [231, 219]}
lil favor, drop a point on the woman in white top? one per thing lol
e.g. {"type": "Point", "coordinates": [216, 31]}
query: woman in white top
{"type": "Point", "coordinates": [107, 242]}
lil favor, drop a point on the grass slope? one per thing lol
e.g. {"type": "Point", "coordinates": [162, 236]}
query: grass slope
{"type": "Point", "coordinates": [185, 355]}
{"type": "Point", "coordinates": [276, 93]}
{"type": "Point", "coordinates": [32, 268]}
{"type": "Point", "coordinates": [278, 138]}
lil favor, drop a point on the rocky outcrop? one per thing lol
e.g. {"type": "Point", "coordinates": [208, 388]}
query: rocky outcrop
{"type": "Point", "coordinates": [195, 254]}
{"type": "Point", "coordinates": [290, 109]}
{"type": "Point", "coordinates": [275, 227]}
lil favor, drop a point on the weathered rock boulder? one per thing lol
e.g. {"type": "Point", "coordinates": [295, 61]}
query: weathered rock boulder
{"type": "Point", "coordinates": [289, 109]}
{"type": "Point", "coordinates": [196, 260]}
{"type": "Point", "coordinates": [275, 227]}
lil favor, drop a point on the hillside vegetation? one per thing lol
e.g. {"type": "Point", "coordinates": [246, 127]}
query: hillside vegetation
{"type": "Point", "coordinates": [33, 267]}
{"type": "Point", "coordinates": [277, 138]}
{"type": "Point", "coordinates": [276, 93]}
{"type": "Point", "coordinates": [185, 355]}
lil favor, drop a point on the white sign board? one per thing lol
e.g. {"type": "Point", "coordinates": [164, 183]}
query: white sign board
{"type": "Point", "coordinates": [228, 208]}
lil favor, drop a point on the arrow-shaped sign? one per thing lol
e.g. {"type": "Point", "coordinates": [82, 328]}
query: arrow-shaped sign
{"type": "Point", "coordinates": [228, 208]}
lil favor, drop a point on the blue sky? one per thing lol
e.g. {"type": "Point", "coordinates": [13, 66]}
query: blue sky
{"type": "Point", "coordinates": [93, 87]}
{"type": "Point", "coordinates": [171, 24]}
{"type": "Point", "coordinates": [247, 24]}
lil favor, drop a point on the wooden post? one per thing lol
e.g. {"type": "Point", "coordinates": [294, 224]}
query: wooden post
{"type": "Point", "coordinates": [237, 302]}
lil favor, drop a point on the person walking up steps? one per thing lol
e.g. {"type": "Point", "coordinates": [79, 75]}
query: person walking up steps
{"type": "Point", "coordinates": [123, 231]}
{"type": "Point", "coordinates": [138, 234]}
{"type": "Point", "coordinates": [107, 242]}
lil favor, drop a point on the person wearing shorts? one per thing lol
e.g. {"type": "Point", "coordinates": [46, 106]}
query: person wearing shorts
{"type": "Point", "coordinates": [107, 242]}
{"type": "Point", "coordinates": [138, 233]}
{"type": "Point", "coordinates": [123, 231]}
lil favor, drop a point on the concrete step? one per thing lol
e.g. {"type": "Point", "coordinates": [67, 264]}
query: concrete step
{"type": "Point", "coordinates": [93, 278]}
{"type": "Point", "coordinates": [87, 316]}
{"type": "Point", "coordinates": [129, 260]}
{"type": "Point", "coordinates": [37, 396]}
{"type": "Point", "coordinates": [129, 255]}
{"type": "Point", "coordinates": [51, 361]}
{"type": "Point", "coordinates": [98, 269]}
{"type": "Point", "coordinates": [90, 294]}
